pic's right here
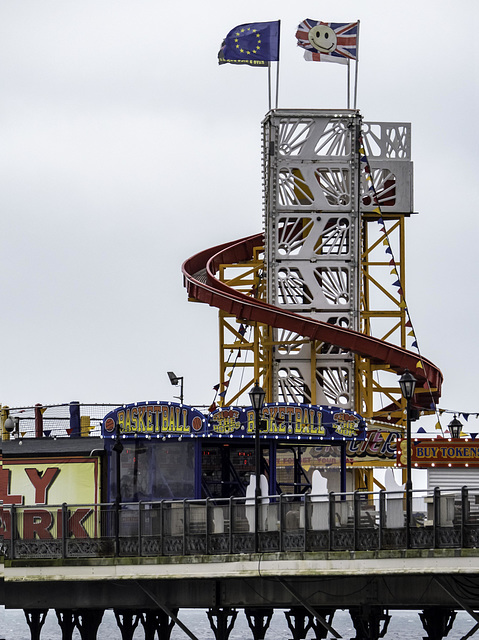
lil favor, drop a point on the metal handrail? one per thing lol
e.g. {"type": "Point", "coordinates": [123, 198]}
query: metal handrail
{"type": "Point", "coordinates": [289, 522]}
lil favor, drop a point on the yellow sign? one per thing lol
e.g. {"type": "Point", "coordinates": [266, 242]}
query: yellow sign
{"type": "Point", "coordinates": [50, 481]}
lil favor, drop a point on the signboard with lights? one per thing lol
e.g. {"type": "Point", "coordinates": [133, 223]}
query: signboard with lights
{"type": "Point", "coordinates": [277, 420]}
{"type": "Point", "coordinates": [439, 453]}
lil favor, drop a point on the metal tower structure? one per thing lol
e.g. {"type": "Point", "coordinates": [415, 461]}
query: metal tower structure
{"type": "Point", "coordinates": [316, 308]}
{"type": "Point", "coordinates": [312, 190]}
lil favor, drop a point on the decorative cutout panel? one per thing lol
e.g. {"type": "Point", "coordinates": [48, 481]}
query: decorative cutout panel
{"type": "Point", "coordinates": [305, 237]}
{"type": "Point", "coordinates": [336, 185]}
{"type": "Point", "coordinates": [293, 134]}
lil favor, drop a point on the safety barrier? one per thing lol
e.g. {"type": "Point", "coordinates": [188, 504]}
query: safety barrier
{"type": "Point", "coordinates": [308, 523]}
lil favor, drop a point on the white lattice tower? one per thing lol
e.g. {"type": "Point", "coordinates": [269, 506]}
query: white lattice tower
{"type": "Point", "coordinates": [317, 207]}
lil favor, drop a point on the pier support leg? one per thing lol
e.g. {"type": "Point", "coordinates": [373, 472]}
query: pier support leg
{"type": "Point", "coordinates": [437, 622]}
{"type": "Point", "coordinates": [87, 622]}
{"type": "Point", "coordinates": [66, 620]}
{"type": "Point", "coordinates": [299, 622]}
{"type": "Point", "coordinates": [222, 621]}
{"type": "Point", "coordinates": [319, 630]}
{"type": "Point", "coordinates": [370, 623]}
{"type": "Point", "coordinates": [259, 621]}
{"type": "Point", "coordinates": [35, 620]}
{"type": "Point", "coordinates": [157, 622]}
{"type": "Point", "coordinates": [127, 622]}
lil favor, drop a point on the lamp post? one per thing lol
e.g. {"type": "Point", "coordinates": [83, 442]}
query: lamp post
{"type": "Point", "coordinates": [117, 448]}
{"type": "Point", "coordinates": [455, 427]}
{"type": "Point", "coordinates": [257, 395]}
{"type": "Point", "coordinates": [407, 382]}
{"type": "Point", "coordinates": [175, 381]}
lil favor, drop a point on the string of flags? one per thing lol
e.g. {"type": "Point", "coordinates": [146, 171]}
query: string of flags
{"type": "Point", "coordinates": [375, 199]}
{"type": "Point", "coordinates": [373, 195]}
{"type": "Point", "coordinates": [225, 383]}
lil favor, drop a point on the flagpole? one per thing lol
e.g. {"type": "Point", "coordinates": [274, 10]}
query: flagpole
{"type": "Point", "coordinates": [277, 84]}
{"type": "Point", "coordinates": [356, 70]}
{"type": "Point", "coordinates": [277, 67]}
{"type": "Point", "coordinates": [269, 85]}
{"type": "Point", "coordinates": [349, 85]}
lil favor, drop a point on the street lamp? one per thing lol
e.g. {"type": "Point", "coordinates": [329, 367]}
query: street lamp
{"type": "Point", "coordinates": [257, 395]}
{"type": "Point", "coordinates": [455, 427]}
{"type": "Point", "coordinates": [117, 448]}
{"type": "Point", "coordinates": [175, 381]}
{"type": "Point", "coordinates": [407, 382]}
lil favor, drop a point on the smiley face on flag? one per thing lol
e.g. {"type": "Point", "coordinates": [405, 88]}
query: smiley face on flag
{"type": "Point", "coordinates": [323, 38]}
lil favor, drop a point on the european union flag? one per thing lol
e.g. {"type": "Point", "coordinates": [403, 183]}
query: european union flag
{"type": "Point", "coordinates": [255, 44]}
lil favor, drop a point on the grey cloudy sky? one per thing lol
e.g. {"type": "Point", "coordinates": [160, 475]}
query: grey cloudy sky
{"type": "Point", "coordinates": [125, 149]}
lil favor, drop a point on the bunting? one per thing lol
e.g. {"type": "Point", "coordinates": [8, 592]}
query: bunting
{"type": "Point", "coordinates": [372, 197]}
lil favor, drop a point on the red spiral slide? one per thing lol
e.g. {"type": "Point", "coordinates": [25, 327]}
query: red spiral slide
{"type": "Point", "coordinates": [201, 283]}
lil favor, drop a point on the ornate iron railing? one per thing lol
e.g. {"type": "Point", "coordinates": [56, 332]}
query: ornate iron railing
{"type": "Point", "coordinates": [334, 522]}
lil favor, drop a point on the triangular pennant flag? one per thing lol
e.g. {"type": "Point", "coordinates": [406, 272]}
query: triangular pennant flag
{"type": "Point", "coordinates": [22, 433]}
{"type": "Point", "coordinates": [421, 430]}
{"type": "Point", "coordinates": [465, 416]}
{"type": "Point", "coordinates": [388, 250]}
{"type": "Point", "coordinates": [419, 365]}
{"type": "Point", "coordinates": [473, 435]}
{"type": "Point", "coordinates": [377, 210]}
{"type": "Point", "coordinates": [226, 383]}
{"type": "Point", "coordinates": [47, 433]}
{"type": "Point", "coordinates": [385, 242]}
{"type": "Point", "coordinates": [411, 333]}
{"type": "Point", "coordinates": [438, 425]}
{"type": "Point", "coordinates": [400, 291]}
{"type": "Point", "coordinates": [222, 394]}
{"type": "Point", "coordinates": [69, 431]}
{"type": "Point", "coordinates": [408, 324]}
{"type": "Point", "coordinates": [396, 284]}
{"type": "Point", "coordinates": [392, 262]}
{"type": "Point", "coordinates": [216, 387]}
{"type": "Point", "coordinates": [441, 411]}
{"type": "Point", "coordinates": [414, 344]}
{"type": "Point", "coordinates": [212, 407]}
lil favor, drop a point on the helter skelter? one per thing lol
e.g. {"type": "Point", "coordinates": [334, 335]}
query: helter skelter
{"type": "Point", "coordinates": [314, 308]}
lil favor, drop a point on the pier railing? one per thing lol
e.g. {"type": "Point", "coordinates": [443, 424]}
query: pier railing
{"type": "Point", "coordinates": [333, 522]}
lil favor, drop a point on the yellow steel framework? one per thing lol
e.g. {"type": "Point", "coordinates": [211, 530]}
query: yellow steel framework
{"type": "Point", "coordinates": [382, 314]}
{"type": "Point", "coordinates": [245, 347]}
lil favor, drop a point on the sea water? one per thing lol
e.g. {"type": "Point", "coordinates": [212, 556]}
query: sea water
{"type": "Point", "coordinates": [403, 625]}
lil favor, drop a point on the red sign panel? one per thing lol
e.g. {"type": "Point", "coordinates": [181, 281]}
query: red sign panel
{"type": "Point", "coordinates": [439, 453]}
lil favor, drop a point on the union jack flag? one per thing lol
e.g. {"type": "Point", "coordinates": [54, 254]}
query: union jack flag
{"type": "Point", "coordinates": [328, 41]}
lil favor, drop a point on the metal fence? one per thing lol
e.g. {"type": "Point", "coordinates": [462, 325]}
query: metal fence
{"type": "Point", "coordinates": [333, 522]}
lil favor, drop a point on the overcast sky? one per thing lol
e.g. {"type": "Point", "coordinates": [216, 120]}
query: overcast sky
{"type": "Point", "coordinates": [125, 149]}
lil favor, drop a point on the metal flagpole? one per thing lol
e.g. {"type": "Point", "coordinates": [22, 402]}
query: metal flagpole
{"type": "Point", "coordinates": [277, 68]}
{"type": "Point", "coordinates": [356, 70]}
{"type": "Point", "coordinates": [269, 85]}
{"type": "Point", "coordinates": [277, 84]}
{"type": "Point", "coordinates": [349, 85]}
